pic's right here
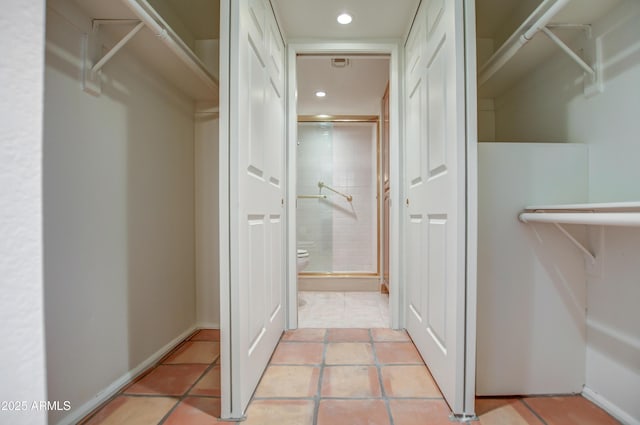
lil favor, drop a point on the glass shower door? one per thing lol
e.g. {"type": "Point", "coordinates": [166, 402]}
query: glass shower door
{"type": "Point", "coordinates": [337, 215]}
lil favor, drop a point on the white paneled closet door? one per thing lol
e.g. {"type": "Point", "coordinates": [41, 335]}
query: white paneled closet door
{"type": "Point", "coordinates": [435, 225]}
{"type": "Point", "coordinates": [257, 123]}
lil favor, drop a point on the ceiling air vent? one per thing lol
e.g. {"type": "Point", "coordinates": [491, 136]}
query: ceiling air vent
{"type": "Point", "coordinates": [339, 62]}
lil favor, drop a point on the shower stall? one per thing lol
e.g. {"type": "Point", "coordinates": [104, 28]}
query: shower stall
{"type": "Point", "coordinates": [338, 202]}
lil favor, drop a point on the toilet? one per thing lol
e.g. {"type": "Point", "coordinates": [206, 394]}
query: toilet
{"type": "Point", "coordinates": [302, 260]}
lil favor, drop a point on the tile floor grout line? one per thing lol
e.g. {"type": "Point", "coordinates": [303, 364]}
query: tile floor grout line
{"type": "Point", "coordinates": [383, 392]}
{"type": "Point", "coordinates": [166, 416]}
{"type": "Point", "coordinates": [186, 393]}
{"type": "Point", "coordinates": [318, 397]}
{"type": "Point", "coordinates": [521, 400]}
{"type": "Point", "coordinates": [285, 398]}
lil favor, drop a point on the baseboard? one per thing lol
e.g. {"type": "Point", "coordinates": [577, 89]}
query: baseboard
{"type": "Point", "coordinates": [609, 407]}
{"type": "Point", "coordinates": [207, 325]}
{"type": "Point", "coordinates": [124, 380]}
{"type": "Point", "coordinates": [343, 284]}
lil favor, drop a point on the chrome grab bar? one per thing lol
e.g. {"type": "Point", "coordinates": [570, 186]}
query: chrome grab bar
{"type": "Point", "coordinates": [312, 196]}
{"type": "Point", "coordinates": [347, 197]}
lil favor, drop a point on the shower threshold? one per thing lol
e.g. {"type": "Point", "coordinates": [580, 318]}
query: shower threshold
{"type": "Point", "coordinates": [339, 283]}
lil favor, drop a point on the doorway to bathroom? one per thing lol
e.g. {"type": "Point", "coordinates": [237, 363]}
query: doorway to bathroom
{"type": "Point", "coordinates": [339, 190]}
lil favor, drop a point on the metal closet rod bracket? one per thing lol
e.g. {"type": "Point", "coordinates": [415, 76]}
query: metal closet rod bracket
{"type": "Point", "coordinates": [584, 250]}
{"type": "Point", "coordinates": [93, 63]}
{"type": "Point", "coordinates": [573, 55]}
{"type": "Point", "coordinates": [592, 80]}
{"type": "Point", "coordinates": [588, 254]}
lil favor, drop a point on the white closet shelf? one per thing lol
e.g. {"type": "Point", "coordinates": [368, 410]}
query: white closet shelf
{"type": "Point", "coordinates": [158, 45]}
{"type": "Point", "coordinates": [528, 46]}
{"type": "Point", "coordinates": [604, 214]}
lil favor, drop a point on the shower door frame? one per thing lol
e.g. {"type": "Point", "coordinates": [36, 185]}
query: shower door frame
{"type": "Point", "coordinates": [370, 119]}
{"type": "Point", "coordinates": [393, 50]}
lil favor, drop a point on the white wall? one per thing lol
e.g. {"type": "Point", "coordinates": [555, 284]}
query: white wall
{"type": "Point", "coordinates": [531, 293]}
{"type": "Point", "coordinates": [118, 217]}
{"type": "Point", "coordinates": [207, 246]}
{"type": "Point", "coordinates": [609, 124]}
{"type": "Point", "coordinates": [549, 105]}
{"type": "Point", "coordinates": [22, 353]}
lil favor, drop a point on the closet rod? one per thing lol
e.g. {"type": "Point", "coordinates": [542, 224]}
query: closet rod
{"type": "Point", "coordinates": [176, 46]}
{"type": "Point", "coordinates": [534, 23]}
{"type": "Point", "coordinates": [631, 219]}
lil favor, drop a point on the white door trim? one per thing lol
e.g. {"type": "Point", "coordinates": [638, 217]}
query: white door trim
{"type": "Point", "coordinates": [396, 295]}
{"type": "Point", "coordinates": [224, 214]}
{"type": "Point", "coordinates": [471, 108]}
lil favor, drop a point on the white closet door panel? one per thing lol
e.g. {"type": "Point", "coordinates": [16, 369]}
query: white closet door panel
{"type": "Point", "coordinates": [436, 191]}
{"type": "Point", "coordinates": [257, 13]}
{"type": "Point", "coordinates": [276, 283]}
{"type": "Point", "coordinates": [257, 109]}
{"type": "Point", "coordinates": [436, 293]}
{"type": "Point", "coordinates": [257, 274]}
{"type": "Point", "coordinates": [415, 270]}
{"type": "Point", "coordinates": [274, 150]}
{"type": "Point", "coordinates": [414, 148]}
{"type": "Point", "coordinates": [437, 111]}
{"type": "Point", "coordinates": [276, 55]}
{"type": "Point", "coordinates": [257, 230]}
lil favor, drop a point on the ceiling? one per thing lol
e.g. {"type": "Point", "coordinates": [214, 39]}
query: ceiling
{"type": "Point", "coordinates": [372, 19]}
{"type": "Point", "coordinates": [354, 90]}
{"type": "Point", "coordinates": [358, 88]}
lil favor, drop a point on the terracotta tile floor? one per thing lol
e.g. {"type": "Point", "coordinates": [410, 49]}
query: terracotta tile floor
{"type": "Point", "coordinates": [323, 377]}
{"type": "Point", "coordinates": [184, 388]}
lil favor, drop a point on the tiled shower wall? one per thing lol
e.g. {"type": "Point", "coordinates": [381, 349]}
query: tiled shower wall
{"type": "Point", "coordinates": [341, 236]}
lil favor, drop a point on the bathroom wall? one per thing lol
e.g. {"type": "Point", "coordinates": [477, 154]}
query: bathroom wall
{"type": "Point", "coordinates": [119, 261]}
{"type": "Point", "coordinates": [355, 223]}
{"type": "Point", "coordinates": [549, 105]}
{"type": "Point", "coordinates": [22, 351]}
{"type": "Point", "coordinates": [341, 236]}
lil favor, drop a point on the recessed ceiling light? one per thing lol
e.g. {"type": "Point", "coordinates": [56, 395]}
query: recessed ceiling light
{"type": "Point", "coordinates": [345, 19]}
{"type": "Point", "coordinates": [320, 93]}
